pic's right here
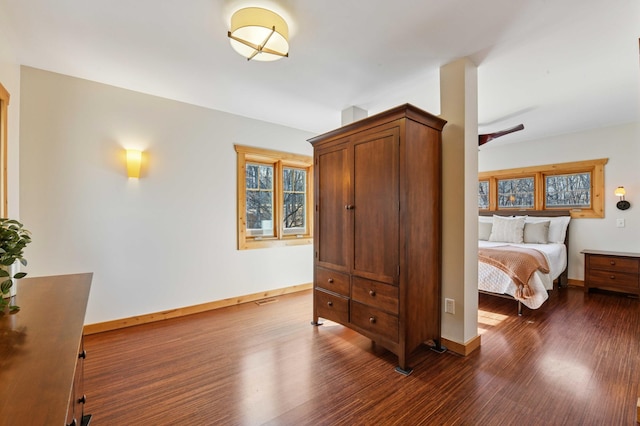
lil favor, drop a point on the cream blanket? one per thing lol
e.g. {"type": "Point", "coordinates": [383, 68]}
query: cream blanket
{"type": "Point", "coordinates": [517, 262]}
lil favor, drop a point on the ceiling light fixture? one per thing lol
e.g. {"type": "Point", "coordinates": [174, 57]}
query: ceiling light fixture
{"type": "Point", "coordinates": [259, 34]}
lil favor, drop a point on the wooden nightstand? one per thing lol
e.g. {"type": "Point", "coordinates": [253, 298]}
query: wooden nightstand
{"type": "Point", "coordinates": [610, 270]}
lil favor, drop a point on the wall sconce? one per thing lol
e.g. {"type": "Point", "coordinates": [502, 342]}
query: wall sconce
{"type": "Point", "coordinates": [622, 204]}
{"type": "Point", "coordinates": [134, 162]}
{"type": "Point", "coordinates": [259, 34]}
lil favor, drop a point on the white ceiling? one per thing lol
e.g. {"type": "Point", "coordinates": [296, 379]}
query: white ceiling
{"type": "Point", "coordinates": [558, 66]}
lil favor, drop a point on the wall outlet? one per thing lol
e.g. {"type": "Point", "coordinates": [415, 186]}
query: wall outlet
{"type": "Point", "coordinates": [449, 306]}
{"type": "Point", "coordinates": [620, 223]}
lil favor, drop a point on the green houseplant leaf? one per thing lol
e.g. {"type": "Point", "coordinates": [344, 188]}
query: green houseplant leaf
{"type": "Point", "coordinates": [13, 239]}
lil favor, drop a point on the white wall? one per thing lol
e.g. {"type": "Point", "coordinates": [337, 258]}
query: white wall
{"type": "Point", "coordinates": [621, 145]}
{"type": "Point", "coordinates": [164, 241]}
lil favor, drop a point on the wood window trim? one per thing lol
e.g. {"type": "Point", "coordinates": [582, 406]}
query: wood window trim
{"type": "Point", "coordinates": [539, 173]}
{"type": "Point", "coordinates": [247, 154]}
{"type": "Point", "coordinates": [4, 124]}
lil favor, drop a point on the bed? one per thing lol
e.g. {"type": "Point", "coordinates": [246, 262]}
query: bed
{"type": "Point", "coordinates": [522, 253]}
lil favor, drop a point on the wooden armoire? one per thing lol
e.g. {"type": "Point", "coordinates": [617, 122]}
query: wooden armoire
{"type": "Point", "coordinates": [377, 237]}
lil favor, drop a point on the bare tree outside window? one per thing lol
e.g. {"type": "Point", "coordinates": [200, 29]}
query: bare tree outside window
{"type": "Point", "coordinates": [572, 190]}
{"type": "Point", "coordinates": [259, 187]}
{"type": "Point", "coordinates": [483, 194]}
{"type": "Point", "coordinates": [295, 195]}
{"type": "Point", "coordinates": [516, 193]}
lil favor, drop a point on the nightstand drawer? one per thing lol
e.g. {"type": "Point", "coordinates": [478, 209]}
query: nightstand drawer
{"type": "Point", "coordinates": [617, 264]}
{"type": "Point", "coordinates": [374, 320]}
{"type": "Point", "coordinates": [598, 278]}
{"type": "Point", "coordinates": [332, 307]}
{"type": "Point", "coordinates": [331, 280]}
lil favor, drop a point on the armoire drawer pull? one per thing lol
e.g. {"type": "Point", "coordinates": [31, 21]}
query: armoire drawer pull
{"type": "Point", "coordinates": [330, 280]}
{"type": "Point", "coordinates": [329, 303]}
{"type": "Point", "coordinates": [372, 320]}
{"type": "Point", "coordinates": [372, 293]}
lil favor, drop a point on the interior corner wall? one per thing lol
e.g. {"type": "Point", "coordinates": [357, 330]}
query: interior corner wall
{"type": "Point", "coordinates": [10, 79]}
{"type": "Point", "coordinates": [164, 241]}
{"type": "Point", "coordinates": [621, 145]}
{"type": "Point", "coordinates": [459, 106]}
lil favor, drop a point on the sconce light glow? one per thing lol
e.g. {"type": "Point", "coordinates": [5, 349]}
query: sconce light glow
{"type": "Point", "coordinates": [134, 161]}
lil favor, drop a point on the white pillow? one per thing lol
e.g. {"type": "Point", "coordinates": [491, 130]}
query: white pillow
{"type": "Point", "coordinates": [484, 230]}
{"type": "Point", "coordinates": [485, 219]}
{"type": "Point", "coordinates": [507, 229]}
{"type": "Point", "coordinates": [557, 227]}
{"type": "Point", "coordinates": [536, 232]}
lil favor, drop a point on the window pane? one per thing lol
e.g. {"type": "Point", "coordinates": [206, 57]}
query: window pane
{"type": "Point", "coordinates": [252, 176]}
{"type": "Point", "coordinates": [287, 178]}
{"type": "Point", "coordinates": [266, 177]}
{"type": "Point", "coordinates": [483, 194]}
{"type": "Point", "coordinates": [568, 190]}
{"type": "Point", "coordinates": [259, 190]}
{"type": "Point", "coordinates": [294, 211]}
{"type": "Point", "coordinates": [300, 181]}
{"type": "Point", "coordinates": [295, 195]}
{"type": "Point", "coordinates": [516, 193]}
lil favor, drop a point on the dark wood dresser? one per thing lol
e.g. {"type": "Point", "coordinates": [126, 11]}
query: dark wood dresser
{"type": "Point", "coordinates": [377, 189]}
{"type": "Point", "coordinates": [612, 270]}
{"type": "Point", "coordinates": [41, 352]}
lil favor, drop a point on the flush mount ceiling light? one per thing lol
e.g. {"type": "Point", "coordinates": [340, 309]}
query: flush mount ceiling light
{"type": "Point", "coordinates": [259, 34]}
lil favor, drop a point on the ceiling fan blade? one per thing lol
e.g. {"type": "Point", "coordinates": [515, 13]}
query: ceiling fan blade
{"type": "Point", "coordinates": [482, 139]}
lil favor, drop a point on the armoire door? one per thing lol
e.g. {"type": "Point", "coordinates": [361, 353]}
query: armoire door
{"type": "Point", "coordinates": [376, 208]}
{"type": "Point", "coordinates": [333, 237]}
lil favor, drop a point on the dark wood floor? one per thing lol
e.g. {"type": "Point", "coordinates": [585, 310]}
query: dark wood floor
{"type": "Point", "coordinates": [575, 361]}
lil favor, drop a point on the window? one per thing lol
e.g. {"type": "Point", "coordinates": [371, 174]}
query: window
{"type": "Point", "coordinates": [568, 191]}
{"type": "Point", "coordinates": [577, 186]}
{"type": "Point", "coordinates": [274, 195]}
{"type": "Point", "coordinates": [515, 193]}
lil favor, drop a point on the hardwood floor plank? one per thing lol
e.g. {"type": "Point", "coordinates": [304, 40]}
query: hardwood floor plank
{"type": "Point", "coordinates": [575, 361]}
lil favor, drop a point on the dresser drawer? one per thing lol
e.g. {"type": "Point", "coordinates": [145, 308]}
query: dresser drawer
{"type": "Point", "coordinates": [331, 306]}
{"type": "Point", "coordinates": [617, 264]}
{"type": "Point", "coordinates": [330, 280]}
{"type": "Point", "coordinates": [374, 320]}
{"type": "Point", "coordinates": [375, 294]}
{"type": "Point", "coordinates": [600, 278]}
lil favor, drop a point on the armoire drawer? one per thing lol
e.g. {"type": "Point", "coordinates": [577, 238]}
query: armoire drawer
{"type": "Point", "coordinates": [378, 295]}
{"type": "Point", "coordinates": [327, 279]}
{"type": "Point", "coordinates": [331, 306]}
{"type": "Point", "coordinates": [374, 320]}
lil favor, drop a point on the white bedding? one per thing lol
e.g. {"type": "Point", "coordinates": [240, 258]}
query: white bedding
{"type": "Point", "coordinates": [493, 280]}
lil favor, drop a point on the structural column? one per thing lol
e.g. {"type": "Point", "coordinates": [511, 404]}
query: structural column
{"type": "Point", "coordinates": [459, 106]}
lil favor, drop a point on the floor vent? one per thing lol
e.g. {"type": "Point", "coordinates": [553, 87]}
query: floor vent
{"type": "Point", "coordinates": [266, 301]}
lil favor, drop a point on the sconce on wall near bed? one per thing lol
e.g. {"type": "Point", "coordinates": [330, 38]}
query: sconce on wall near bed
{"type": "Point", "coordinates": [134, 162]}
{"type": "Point", "coordinates": [622, 204]}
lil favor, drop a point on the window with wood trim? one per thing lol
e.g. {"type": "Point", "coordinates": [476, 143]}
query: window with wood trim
{"type": "Point", "coordinates": [577, 186]}
{"type": "Point", "coordinates": [274, 195]}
